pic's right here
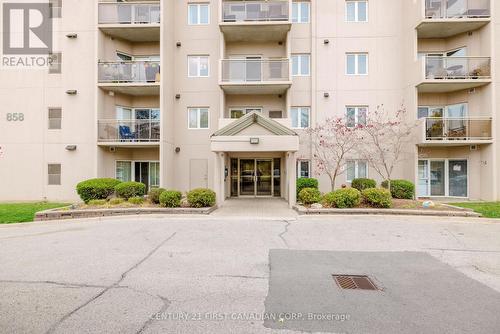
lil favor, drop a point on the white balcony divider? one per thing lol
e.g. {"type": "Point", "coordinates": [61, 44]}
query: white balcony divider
{"type": "Point", "coordinates": [129, 72]}
{"type": "Point", "coordinates": [128, 131]}
{"type": "Point", "coordinates": [457, 67]}
{"type": "Point", "coordinates": [255, 70]}
{"type": "Point", "coordinates": [241, 11]}
{"type": "Point", "coordinates": [442, 9]}
{"type": "Point", "coordinates": [451, 128]}
{"type": "Point", "coordinates": [129, 13]}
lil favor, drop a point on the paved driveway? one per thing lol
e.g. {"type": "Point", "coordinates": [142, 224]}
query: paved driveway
{"type": "Point", "coordinates": [198, 274]}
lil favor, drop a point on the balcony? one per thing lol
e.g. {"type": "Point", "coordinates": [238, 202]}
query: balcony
{"type": "Point", "coordinates": [133, 133]}
{"type": "Point", "coordinates": [255, 76]}
{"type": "Point", "coordinates": [131, 21]}
{"type": "Point", "coordinates": [449, 74]}
{"type": "Point", "coordinates": [456, 131]}
{"type": "Point", "coordinates": [444, 18]}
{"type": "Point", "coordinates": [132, 78]}
{"type": "Point", "coordinates": [255, 21]}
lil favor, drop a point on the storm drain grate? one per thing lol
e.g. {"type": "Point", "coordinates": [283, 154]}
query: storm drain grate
{"type": "Point", "coordinates": [354, 282]}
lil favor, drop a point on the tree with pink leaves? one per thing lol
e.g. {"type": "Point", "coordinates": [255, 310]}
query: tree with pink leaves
{"type": "Point", "coordinates": [386, 140]}
{"type": "Point", "coordinates": [333, 142]}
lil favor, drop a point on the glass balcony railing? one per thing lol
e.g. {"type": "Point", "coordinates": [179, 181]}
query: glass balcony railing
{"type": "Point", "coordinates": [129, 13]}
{"type": "Point", "coordinates": [438, 128]}
{"type": "Point", "coordinates": [255, 70]}
{"type": "Point", "coordinates": [457, 67]}
{"type": "Point", "coordinates": [443, 9]}
{"type": "Point", "coordinates": [129, 72]}
{"type": "Point", "coordinates": [255, 11]}
{"type": "Point", "coordinates": [131, 131]}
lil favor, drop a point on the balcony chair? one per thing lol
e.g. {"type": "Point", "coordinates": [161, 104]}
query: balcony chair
{"type": "Point", "coordinates": [126, 134]}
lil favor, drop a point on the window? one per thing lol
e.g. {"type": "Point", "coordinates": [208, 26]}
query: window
{"type": "Point", "coordinates": [147, 172]}
{"type": "Point", "coordinates": [356, 11]}
{"type": "Point", "coordinates": [303, 168]}
{"type": "Point", "coordinates": [275, 114]}
{"type": "Point", "coordinates": [198, 13]}
{"type": "Point", "coordinates": [124, 171]}
{"type": "Point", "coordinates": [198, 118]}
{"type": "Point", "coordinates": [55, 63]}
{"type": "Point", "coordinates": [356, 169]}
{"type": "Point", "coordinates": [198, 66]}
{"type": "Point", "coordinates": [300, 117]}
{"type": "Point", "coordinates": [240, 112]}
{"type": "Point", "coordinates": [356, 115]}
{"type": "Point", "coordinates": [55, 8]}
{"type": "Point", "coordinates": [357, 63]}
{"type": "Point", "coordinates": [54, 174]}
{"type": "Point", "coordinates": [301, 64]}
{"type": "Point", "coordinates": [300, 12]}
{"type": "Point", "coordinates": [55, 117]}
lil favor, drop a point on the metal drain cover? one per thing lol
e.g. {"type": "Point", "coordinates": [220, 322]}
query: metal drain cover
{"type": "Point", "coordinates": [354, 282]}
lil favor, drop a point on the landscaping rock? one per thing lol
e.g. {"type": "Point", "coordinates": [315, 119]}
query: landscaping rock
{"type": "Point", "coordinates": [316, 206]}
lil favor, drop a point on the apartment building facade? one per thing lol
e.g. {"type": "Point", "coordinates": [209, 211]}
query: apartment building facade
{"type": "Point", "coordinates": [186, 94]}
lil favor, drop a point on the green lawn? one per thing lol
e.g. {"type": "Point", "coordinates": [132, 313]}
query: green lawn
{"type": "Point", "coordinates": [23, 212]}
{"type": "Point", "coordinates": [487, 209]}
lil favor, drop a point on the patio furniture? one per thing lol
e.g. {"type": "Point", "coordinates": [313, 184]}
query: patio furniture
{"type": "Point", "coordinates": [126, 133]}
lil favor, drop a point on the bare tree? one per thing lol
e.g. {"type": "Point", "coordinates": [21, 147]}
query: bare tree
{"type": "Point", "coordinates": [332, 143]}
{"type": "Point", "coordinates": [386, 138]}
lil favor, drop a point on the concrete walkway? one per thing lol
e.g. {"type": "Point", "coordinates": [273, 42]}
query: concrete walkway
{"type": "Point", "coordinates": [258, 208]}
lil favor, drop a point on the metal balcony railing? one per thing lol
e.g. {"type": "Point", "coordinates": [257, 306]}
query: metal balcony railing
{"type": "Point", "coordinates": [457, 67]}
{"type": "Point", "coordinates": [242, 11]}
{"type": "Point", "coordinates": [131, 131]}
{"type": "Point", "coordinates": [255, 70]}
{"type": "Point", "coordinates": [444, 9]}
{"type": "Point", "coordinates": [129, 72]}
{"type": "Point", "coordinates": [439, 128]}
{"type": "Point", "coordinates": [129, 13]}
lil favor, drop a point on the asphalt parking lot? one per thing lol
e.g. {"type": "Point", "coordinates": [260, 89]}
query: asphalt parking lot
{"type": "Point", "coordinates": [212, 274]}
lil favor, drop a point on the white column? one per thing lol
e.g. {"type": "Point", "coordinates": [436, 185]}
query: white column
{"type": "Point", "coordinates": [291, 166]}
{"type": "Point", "coordinates": [219, 177]}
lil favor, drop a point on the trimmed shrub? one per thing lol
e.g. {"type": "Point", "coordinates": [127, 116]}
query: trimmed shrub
{"type": "Point", "coordinates": [377, 197]}
{"type": "Point", "coordinates": [402, 189]}
{"type": "Point", "coordinates": [116, 201]}
{"type": "Point", "coordinates": [154, 195]}
{"type": "Point", "coordinates": [97, 202]}
{"type": "Point", "coordinates": [136, 200]}
{"type": "Point", "coordinates": [201, 198]}
{"type": "Point", "coordinates": [130, 189]}
{"type": "Point", "coordinates": [96, 188]}
{"type": "Point", "coordinates": [171, 198]}
{"type": "Point", "coordinates": [343, 198]}
{"type": "Point", "coordinates": [306, 183]}
{"type": "Point", "coordinates": [309, 196]}
{"type": "Point", "coordinates": [362, 184]}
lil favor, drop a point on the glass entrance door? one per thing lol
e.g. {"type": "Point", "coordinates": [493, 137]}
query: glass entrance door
{"type": "Point", "coordinates": [264, 178]}
{"type": "Point", "coordinates": [247, 177]}
{"type": "Point", "coordinates": [423, 178]}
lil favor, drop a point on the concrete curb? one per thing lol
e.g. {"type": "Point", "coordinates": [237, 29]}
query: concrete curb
{"type": "Point", "coordinates": [363, 211]}
{"type": "Point", "coordinates": [58, 214]}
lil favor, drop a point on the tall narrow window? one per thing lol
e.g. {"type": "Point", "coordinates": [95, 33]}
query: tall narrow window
{"type": "Point", "coordinates": [55, 8]}
{"type": "Point", "coordinates": [356, 11]}
{"type": "Point", "coordinates": [300, 117]}
{"type": "Point", "coordinates": [198, 66]}
{"type": "Point", "coordinates": [124, 171]}
{"type": "Point", "coordinates": [356, 169]}
{"type": "Point", "coordinates": [300, 11]}
{"type": "Point", "coordinates": [356, 115]}
{"type": "Point", "coordinates": [198, 13]}
{"type": "Point", "coordinates": [54, 174]}
{"type": "Point", "coordinates": [356, 63]}
{"type": "Point", "coordinates": [303, 168]}
{"type": "Point", "coordinates": [301, 64]}
{"type": "Point", "coordinates": [198, 118]}
{"type": "Point", "coordinates": [55, 118]}
{"type": "Point", "coordinates": [55, 63]}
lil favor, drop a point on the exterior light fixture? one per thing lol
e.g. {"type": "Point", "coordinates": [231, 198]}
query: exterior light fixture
{"type": "Point", "coordinates": [254, 141]}
{"type": "Point", "coordinates": [326, 94]}
{"type": "Point", "coordinates": [178, 44]}
{"type": "Point", "coordinates": [72, 36]}
{"type": "Point", "coordinates": [177, 96]}
{"type": "Point", "coordinates": [72, 92]}
{"type": "Point", "coordinates": [71, 148]}
{"type": "Point", "coordinates": [177, 149]}
{"type": "Point", "coordinates": [326, 41]}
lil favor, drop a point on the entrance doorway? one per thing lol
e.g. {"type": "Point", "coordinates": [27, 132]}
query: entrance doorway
{"type": "Point", "coordinates": [255, 177]}
{"type": "Point", "coordinates": [442, 178]}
